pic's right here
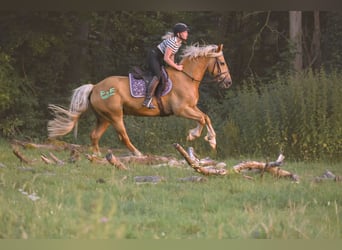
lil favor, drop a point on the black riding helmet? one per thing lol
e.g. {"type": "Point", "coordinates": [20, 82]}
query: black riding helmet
{"type": "Point", "coordinates": [180, 27]}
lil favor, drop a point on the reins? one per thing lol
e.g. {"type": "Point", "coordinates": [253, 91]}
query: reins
{"type": "Point", "coordinates": [188, 75]}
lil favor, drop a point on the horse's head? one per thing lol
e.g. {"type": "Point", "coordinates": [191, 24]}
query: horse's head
{"type": "Point", "coordinates": [218, 68]}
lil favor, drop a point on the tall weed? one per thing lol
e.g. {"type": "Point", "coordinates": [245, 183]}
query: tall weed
{"type": "Point", "coordinates": [300, 115]}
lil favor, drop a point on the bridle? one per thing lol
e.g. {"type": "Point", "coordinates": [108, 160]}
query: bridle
{"type": "Point", "coordinates": [220, 73]}
{"type": "Point", "coordinates": [217, 65]}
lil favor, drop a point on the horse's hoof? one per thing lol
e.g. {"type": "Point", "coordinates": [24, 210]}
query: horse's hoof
{"type": "Point", "coordinates": [212, 141]}
{"type": "Point", "coordinates": [137, 153]}
{"type": "Point", "coordinates": [190, 137]}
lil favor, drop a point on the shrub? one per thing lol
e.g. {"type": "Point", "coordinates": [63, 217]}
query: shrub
{"type": "Point", "coordinates": [300, 115]}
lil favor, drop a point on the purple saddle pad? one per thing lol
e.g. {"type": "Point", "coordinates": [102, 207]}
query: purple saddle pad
{"type": "Point", "coordinates": [138, 86]}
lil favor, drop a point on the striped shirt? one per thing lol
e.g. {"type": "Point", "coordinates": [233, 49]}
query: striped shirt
{"type": "Point", "coordinates": [170, 43]}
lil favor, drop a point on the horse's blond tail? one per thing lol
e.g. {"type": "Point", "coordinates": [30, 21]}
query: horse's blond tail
{"type": "Point", "coordinates": [66, 120]}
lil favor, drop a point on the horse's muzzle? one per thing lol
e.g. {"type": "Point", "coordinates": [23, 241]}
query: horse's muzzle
{"type": "Point", "coordinates": [225, 83]}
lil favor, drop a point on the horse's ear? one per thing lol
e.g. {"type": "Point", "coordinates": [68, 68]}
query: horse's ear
{"type": "Point", "coordinates": [220, 48]}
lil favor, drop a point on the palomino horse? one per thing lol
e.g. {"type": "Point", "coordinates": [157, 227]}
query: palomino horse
{"type": "Point", "coordinates": [111, 99]}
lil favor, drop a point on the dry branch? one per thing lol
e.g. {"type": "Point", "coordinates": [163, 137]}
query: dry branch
{"type": "Point", "coordinates": [271, 167]}
{"type": "Point", "coordinates": [148, 179]}
{"type": "Point", "coordinates": [95, 159]}
{"type": "Point", "coordinates": [193, 179]}
{"type": "Point", "coordinates": [46, 159]}
{"type": "Point", "coordinates": [51, 145]}
{"type": "Point", "coordinates": [114, 161]}
{"type": "Point", "coordinates": [146, 159]}
{"type": "Point", "coordinates": [56, 160]}
{"type": "Point", "coordinates": [74, 155]}
{"type": "Point", "coordinates": [20, 156]}
{"type": "Point", "coordinates": [190, 160]}
{"type": "Point", "coordinates": [195, 163]}
{"type": "Point", "coordinates": [328, 175]}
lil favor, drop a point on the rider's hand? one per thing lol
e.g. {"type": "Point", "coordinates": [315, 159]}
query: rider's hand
{"type": "Point", "coordinates": [179, 67]}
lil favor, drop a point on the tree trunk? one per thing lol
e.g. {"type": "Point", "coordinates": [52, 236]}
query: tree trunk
{"type": "Point", "coordinates": [316, 43]}
{"type": "Point", "coordinates": [295, 23]}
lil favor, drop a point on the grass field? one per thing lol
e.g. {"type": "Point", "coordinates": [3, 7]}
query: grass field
{"type": "Point", "coordinates": [88, 201]}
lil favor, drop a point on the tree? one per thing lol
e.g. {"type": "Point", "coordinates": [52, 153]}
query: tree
{"type": "Point", "coordinates": [315, 49]}
{"type": "Point", "coordinates": [295, 29]}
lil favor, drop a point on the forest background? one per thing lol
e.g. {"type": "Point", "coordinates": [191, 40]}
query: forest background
{"type": "Point", "coordinates": [285, 66]}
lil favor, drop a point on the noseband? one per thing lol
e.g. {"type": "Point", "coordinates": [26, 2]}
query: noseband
{"type": "Point", "coordinates": [220, 73]}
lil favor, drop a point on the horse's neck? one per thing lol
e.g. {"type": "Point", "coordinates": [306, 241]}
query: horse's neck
{"type": "Point", "coordinates": [195, 67]}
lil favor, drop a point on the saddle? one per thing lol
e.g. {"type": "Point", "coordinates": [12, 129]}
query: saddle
{"type": "Point", "coordinates": [138, 80]}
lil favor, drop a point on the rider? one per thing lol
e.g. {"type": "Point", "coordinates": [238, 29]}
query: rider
{"type": "Point", "coordinates": [164, 52]}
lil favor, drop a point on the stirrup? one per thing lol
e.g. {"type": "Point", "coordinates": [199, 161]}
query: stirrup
{"type": "Point", "coordinates": [149, 104]}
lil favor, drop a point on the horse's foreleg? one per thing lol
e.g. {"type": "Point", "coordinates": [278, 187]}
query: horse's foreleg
{"type": "Point", "coordinates": [101, 127]}
{"type": "Point", "coordinates": [211, 135]}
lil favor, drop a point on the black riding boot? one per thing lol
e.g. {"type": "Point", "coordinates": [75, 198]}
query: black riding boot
{"type": "Point", "coordinates": [151, 88]}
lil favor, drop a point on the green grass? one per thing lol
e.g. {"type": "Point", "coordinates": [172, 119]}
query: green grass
{"type": "Point", "coordinates": [73, 205]}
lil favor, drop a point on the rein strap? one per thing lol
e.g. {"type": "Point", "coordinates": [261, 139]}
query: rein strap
{"type": "Point", "coordinates": [188, 75]}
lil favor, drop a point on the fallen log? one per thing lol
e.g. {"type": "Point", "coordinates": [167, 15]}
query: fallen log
{"type": "Point", "coordinates": [21, 157]}
{"type": "Point", "coordinates": [75, 155]}
{"type": "Point", "coordinates": [193, 179]}
{"type": "Point", "coordinates": [328, 176]}
{"type": "Point", "coordinates": [114, 161]}
{"type": "Point", "coordinates": [95, 159]}
{"type": "Point", "coordinates": [190, 160]}
{"type": "Point", "coordinates": [146, 159]}
{"type": "Point", "coordinates": [56, 160]}
{"type": "Point", "coordinates": [271, 167]}
{"type": "Point", "coordinates": [261, 167]}
{"type": "Point", "coordinates": [202, 162]}
{"type": "Point", "coordinates": [51, 145]}
{"type": "Point", "coordinates": [195, 163]}
{"type": "Point", "coordinates": [149, 179]}
{"type": "Point", "coordinates": [46, 159]}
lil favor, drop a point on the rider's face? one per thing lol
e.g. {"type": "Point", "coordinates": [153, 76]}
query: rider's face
{"type": "Point", "coordinates": [184, 35]}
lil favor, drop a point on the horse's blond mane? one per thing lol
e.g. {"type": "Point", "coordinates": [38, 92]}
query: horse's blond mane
{"type": "Point", "coordinates": [196, 50]}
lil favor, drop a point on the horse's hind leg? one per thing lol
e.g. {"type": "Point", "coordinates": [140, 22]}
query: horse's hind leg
{"type": "Point", "coordinates": [211, 135]}
{"type": "Point", "coordinates": [194, 113]}
{"type": "Point", "coordinates": [96, 134]}
{"type": "Point", "coordinates": [195, 132]}
{"type": "Point", "coordinates": [119, 126]}
{"type": "Point", "coordinates": [202, 119]}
